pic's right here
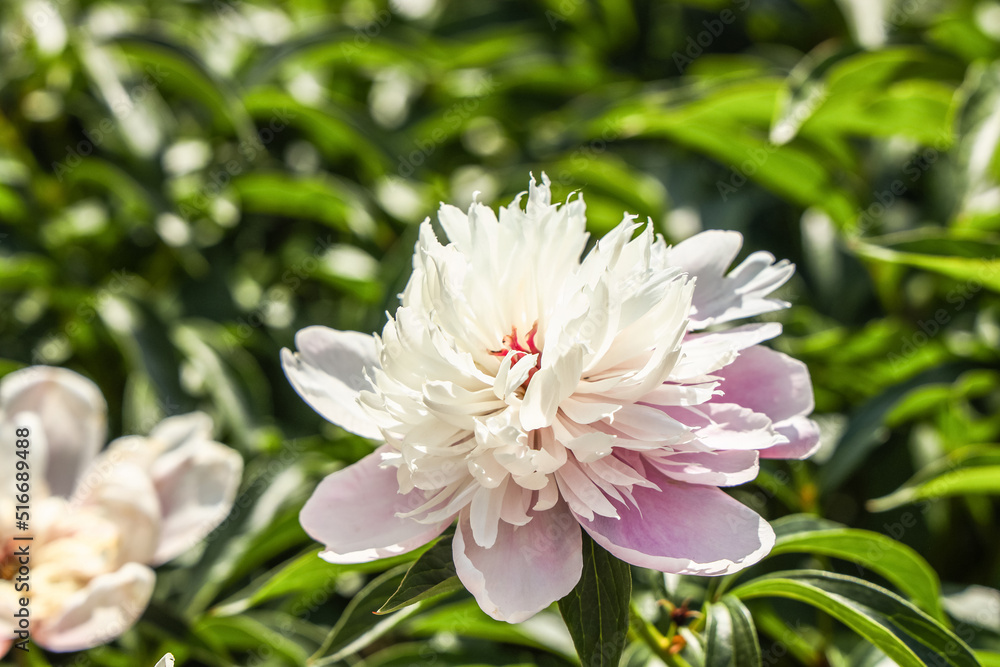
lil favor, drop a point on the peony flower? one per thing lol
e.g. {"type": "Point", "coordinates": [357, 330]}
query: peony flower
{"type": "Point", "coordinates": [99, 521]}
{"type": "Point", "coordinates": [530, 391]}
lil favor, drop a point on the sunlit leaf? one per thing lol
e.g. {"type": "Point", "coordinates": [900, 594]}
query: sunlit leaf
{"type": "Point", "coordinates": [898, 563]}
{"type": "Point", "coordinates": [907, 635]}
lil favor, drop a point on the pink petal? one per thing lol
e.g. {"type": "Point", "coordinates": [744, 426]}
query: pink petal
{"type": "Point", "coordinates": [329, 371]}
{"type": "Point", "coordinates": [108, 606]}
{"type": "Point", "coordinates": [353, 512]}
{"type": "Point", "coordinates": [684, 529]}
{"type": "Point", "coordinates": [767, 382]}
{"type": "Point", "coordinates": [72, 412]}
{"type": "Point", "coordinates": [723, 468]}
{"type": "Point", "coordinates": [776, 385]}
{"type": "Point", "coordinates": [803, 440]}
{"type": "Point", "coordinates": [727, 426]}
{"type": "Point", "coordinates": [529, 567]}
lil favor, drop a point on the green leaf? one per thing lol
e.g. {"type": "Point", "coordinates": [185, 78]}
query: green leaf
{"type": "Point", "coordinates": [432, 574]}
{"type": "Point", "coordinates": [966, 481]}
{"type": "Point", "coordinates": [805, 89]}
{"type": "Point", "coordinates": [596, 611]}
{"type": "Point", "coordinates": [180, 69]}
{"type": "Point", "coordinates": [358, 626]}
{"type": "Point", "coordinates": [904, 633]}
{"type": "Point", "coordinates": [307, 573]}
{"type": "Point", "coordinates": [21, 271]}
{"type": "Point", "coordinates": [977, 272]}
{"type": "Point", "coordinates": [988, 658]}
{"type": "Point", "coordinates": [324, 199]}
{"type": "Point", "coordinates": [544, 631]}
{"type": "Point", "coordinates": [331, 128]}
{"type": "Point", "coordinates": [898, 563]}
{"type": "Point", "coordinates": [730, 125]}
{"type": "Point", "coordinates": [977, 146]}
{"type": "Point", "coordinates": [730, 635]}
{"type": "Point", "coordinates": [246, 632]}
{"type": "Point", "coordinates": [866, 428]}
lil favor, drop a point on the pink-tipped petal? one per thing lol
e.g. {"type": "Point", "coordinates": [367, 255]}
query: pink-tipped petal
{"type": "Point", "coordinates": [767, 382]}
{"type": "Point", "coordinates": [328, 371]}
{"type": "Point", "coordinates": [776, 385]}
{"type": "Point", "coordinates": [527, 569]}
{"type": "Point", "coordinates": [108, 606]}
{"type": "Point", "coordinates": [803, 440]}
{"type": "Point", "coordinates": [353, 512]}
{"type": "Point", "coordinates": [72, 413]}
{"type": "Point", "coordinates": [684, 529]}
{"type": "Point", "coordinates": [722, 468]}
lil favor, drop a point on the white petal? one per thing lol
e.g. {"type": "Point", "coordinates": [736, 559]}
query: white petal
{"type": "Point", "coordinates": [125, 495]}
{"type": "Point", "coordinates": [196, 484]}
{"type": "Point", "coordinates": [554, 382]}
{"type": "Point", "coordinates": [72, 411]}
{"type": "Point", "coordinates": [108, 606]}
{"type": "Point", "coordinates": [166, 661]}
{"type": "Point", "coordinates": [721, 298]}
{"type": "Point", "coordinates": [484, 514]}
{"type": "Point", "coordinates": [175, 431]}
{"type": "Point", "coordinates": [329, 371]}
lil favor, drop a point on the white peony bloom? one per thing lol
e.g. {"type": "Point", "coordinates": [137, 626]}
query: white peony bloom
{"type": "Point", "coordinates": [98, 521]}
{"type": "Point", "coordinates": [528, 390]}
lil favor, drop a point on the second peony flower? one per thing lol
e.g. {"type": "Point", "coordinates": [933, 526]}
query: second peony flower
{"type": "Point", "coordinates": [530, 390]}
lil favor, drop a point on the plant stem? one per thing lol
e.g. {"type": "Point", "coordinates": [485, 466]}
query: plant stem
{"type": "Point", "coordinates": [652, 637]}
{"type": "Point", "coordinates": [324, 647]}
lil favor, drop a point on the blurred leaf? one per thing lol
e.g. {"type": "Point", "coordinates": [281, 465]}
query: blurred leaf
{"type": "Point", "coordinates": [21, 271]}
{"type": "Point", "coordinates": [805, 90]}
{"type": "Point", "coordinates": [803, 642]}
{"type": "Point", "coordinates": [432, 574]}
{"type": "Point", "coordinates": [597, 610]}
{"type": "Point", "coordinates": [721, 124]}
{"type": "Point", "coordinates": [730, 635]}
{"type": "Point", "coordinates": [245, 632]}
{"type": "Point", "coordinates": [988, 658]}
{"type": "Point", "coordinates": [307, 573]}
{"type": "Point", "coordinates": [978, 127]}
{"type": "Point", "coordinates": [174, 66]}
{"type": "Point", "coordinates": [359, 626]}
{"type": "Point", "coordinates": [315, 198]}
{"type": "Point", "coordinates": [974, 470]}
{"type": "Point", "coordinates": [976, 272]}
{"type": "Point", "coordinates": [907, 635]}
{"type": "Point", "coordinates": [334, 132]}
{"type": "Point", "coordinates": [863, 431]}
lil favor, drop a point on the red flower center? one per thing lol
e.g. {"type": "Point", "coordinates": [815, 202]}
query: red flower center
{"type": "Point", "coordinates": [511, 342]}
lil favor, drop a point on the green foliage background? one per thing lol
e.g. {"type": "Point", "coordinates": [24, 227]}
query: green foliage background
{"type": "Point", "coordinates": [184, 185]}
